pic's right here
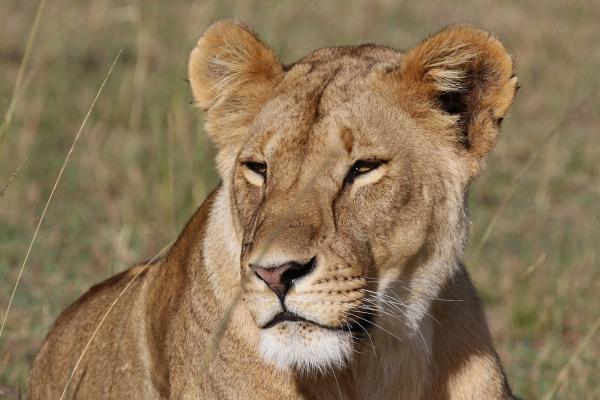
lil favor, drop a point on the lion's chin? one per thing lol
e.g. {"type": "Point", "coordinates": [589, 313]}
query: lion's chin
{"type": "Point", "coordinates": [306, 347]}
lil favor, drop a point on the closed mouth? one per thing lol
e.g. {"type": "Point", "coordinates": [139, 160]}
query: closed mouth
{"type": "Point", "coordinates": [287, 316]}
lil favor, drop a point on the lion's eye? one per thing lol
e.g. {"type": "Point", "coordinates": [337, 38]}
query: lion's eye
{"type": "Point", "coordinates": [258, 167]}
{"type": "Point", "coordinates": [362, 167]}
{"type": "Point", "coordinates": [255, 172]}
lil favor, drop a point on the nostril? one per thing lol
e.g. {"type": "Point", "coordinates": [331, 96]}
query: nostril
{"type": "Point", "coordinates": [298, 270]}
{"type": "Point", "coordinates": [280, 278]}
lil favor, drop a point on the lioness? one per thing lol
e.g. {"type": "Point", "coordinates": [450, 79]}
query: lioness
{"type": "Point", "coordinates": [328, 262]}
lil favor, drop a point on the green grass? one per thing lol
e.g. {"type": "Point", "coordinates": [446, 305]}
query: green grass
{"type": "Point", "coordinates": [143, 164]}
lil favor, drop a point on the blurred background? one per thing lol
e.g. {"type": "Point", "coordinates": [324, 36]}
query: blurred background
{"type": "Point", "coordinates": [143, 165]}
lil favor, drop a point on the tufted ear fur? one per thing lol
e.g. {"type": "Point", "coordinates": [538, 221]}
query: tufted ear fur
{"type": "Point", "coordinates": [232, 73]}
{"type": "Point", "coordinates": [466, 76]}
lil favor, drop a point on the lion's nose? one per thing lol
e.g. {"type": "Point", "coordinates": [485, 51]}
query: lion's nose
{"type": "Point", "coordinates": [280, 278]}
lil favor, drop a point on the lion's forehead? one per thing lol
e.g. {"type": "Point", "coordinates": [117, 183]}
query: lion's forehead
{"type": "Point", "coordinates": [319, 83]}
{"type": "Point", "coordinates": [312, 101]}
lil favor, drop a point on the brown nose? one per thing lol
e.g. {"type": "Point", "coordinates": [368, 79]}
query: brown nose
{"type": "Point", "coordinates": [280, 278]}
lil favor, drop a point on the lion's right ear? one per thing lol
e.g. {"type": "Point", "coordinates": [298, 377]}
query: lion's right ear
{"type": "Point", "coordinates": [232, 73]}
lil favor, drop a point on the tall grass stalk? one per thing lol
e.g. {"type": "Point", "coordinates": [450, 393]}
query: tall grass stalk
{"type": "Point", "coordinates": [21, 73]}
{"type": "Point", "coordinates": [107, 313]}
{"type": "Point", "coordinates": [555, 131]}
{"type": "Point", "coordinates": [58, 178]}
{"type": "Point", "coordinates": [562, 376]}
{"type": "Point", "coordinates": [13, 176]}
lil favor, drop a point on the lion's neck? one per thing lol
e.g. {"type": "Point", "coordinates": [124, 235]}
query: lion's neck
{"type": "Point", "coordinates": [222, 251]}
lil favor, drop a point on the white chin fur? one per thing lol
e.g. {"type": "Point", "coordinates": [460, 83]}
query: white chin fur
{"type": "Point", "coordinates": [287, 345]}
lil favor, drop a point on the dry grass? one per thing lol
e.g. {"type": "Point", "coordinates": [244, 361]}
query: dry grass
{"type": "Point", "coordinates": [51, 196]}
{"type": "Point", "coordinates": [144, 164]}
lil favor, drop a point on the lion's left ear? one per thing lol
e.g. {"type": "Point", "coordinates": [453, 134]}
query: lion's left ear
{"type": "Point", "coordinates": [465, 74]}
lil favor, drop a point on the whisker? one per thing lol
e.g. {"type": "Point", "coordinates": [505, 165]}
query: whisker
{"type": "Point", "coordinates": [397, 302]}
{"type": "Point", "coordinates": [364, 329]}
{"type": "Point", "coordinates": [412, 291]}
{"type": "Point", "coordinates": [336, 383]}
{"type": "Point", "coordinates": [378, 326]}
{"type": "Point", "coordinates": [382, 311]}
{"type": "Point", "coordinates": [395, 305]}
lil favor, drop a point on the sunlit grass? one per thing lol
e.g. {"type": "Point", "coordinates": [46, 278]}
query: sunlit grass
{"type": "Point", "coordinates": [144, 164]}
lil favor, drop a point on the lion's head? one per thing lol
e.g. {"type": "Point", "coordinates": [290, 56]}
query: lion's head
{"type": "Point", "coordinates": [346, 174]}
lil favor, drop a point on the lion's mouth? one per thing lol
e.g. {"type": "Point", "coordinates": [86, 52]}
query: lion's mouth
{"type": "Point", "coordinates": [288, 316]}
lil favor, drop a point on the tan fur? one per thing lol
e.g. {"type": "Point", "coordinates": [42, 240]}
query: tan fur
{"type": "Point", "coordinates": [391, 312]}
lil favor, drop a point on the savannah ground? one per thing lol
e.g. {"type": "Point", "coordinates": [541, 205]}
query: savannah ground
{"type": "Point", "coordinates": [143, 165]}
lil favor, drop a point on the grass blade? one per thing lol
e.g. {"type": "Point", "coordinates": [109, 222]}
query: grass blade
{"type": "Point", "coordinates": [24, 62]}
{"type": "Point", "coordinates": [107, 313]}
{"type": "Point", "coordinates": [564, 372]}
{"type": "Point", "coordinates": [62, 169]}
{"type": "Point", "coordinates": [523, 171]}
{"type": "Point", "coordinates": [12, 177]}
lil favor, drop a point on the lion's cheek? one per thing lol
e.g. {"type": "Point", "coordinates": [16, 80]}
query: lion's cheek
{"type": "Point", "coordinates": [407, 239]}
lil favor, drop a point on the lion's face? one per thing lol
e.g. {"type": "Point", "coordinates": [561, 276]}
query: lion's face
{"type": "Point", "coordinates": [346, 174]}
{"type": "Point", "coordinates": [320, 195]}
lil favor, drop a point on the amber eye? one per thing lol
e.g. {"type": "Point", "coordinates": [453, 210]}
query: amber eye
{"type": "Point", "coordinates": [362, 167]}
{"type": "Point", "coordinates": [258, 167]}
